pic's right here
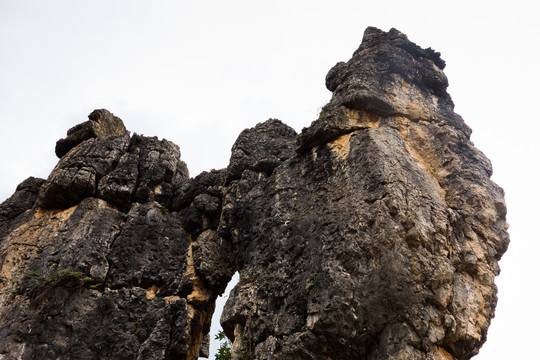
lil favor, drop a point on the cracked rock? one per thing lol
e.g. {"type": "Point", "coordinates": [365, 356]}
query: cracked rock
{"type": "Point", "coordinates": [373, 234]}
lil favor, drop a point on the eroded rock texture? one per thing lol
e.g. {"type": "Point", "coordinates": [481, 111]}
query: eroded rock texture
{"type": "Point", "coordinates": [373, 234]}
{"type": "Point", "coordinates": [106, 259]}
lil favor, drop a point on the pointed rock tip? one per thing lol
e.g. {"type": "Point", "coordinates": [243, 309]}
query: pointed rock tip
{"type": "Point", "coordinates": [375, 37]}
{"type": "Point", "coordinates": [383, 57]}
{"type": "Point", "coordinates": [101, 123]}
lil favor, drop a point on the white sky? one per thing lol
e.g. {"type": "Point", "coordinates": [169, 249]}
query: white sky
{"type": "Point", "coordinates": [199, 72]}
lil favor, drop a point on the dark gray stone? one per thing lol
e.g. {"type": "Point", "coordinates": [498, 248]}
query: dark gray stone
{"type": "Point", "coordinates": [262, 148]}
{"type": "Point", "coordinates": [374, 234]}
{"type": "Point", "coordinates": [101, 123]}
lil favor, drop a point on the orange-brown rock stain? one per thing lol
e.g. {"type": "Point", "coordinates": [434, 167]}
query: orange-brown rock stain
{"type": "Point", "coordinates": [199, 295]}
{"type": "Point", "coordinates": [445, 354]}
{"type": "Point", "coordinates": [365, 118]}
{"type": "Point", "coordinates": [417, 144]}
{"type": "Point", "coordinates": [340, 146]}
{"type": "Point", "coordinates": [411, 102]}
{"type": "Point", "coordinates": [55, 214]}
{"type": "Point", "coordinates": [152, 292]}
{"type": "Point", "coordinates": [23, 243]}
{"type": "Point", "coordinates": [196, 321]}
{"type": "Point", "coordinates": [200, 307]}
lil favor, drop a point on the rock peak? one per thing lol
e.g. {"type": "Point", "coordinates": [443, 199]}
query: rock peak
{"type": "Point", "coordinates": [101, 123]}
{"type": "Point", "coordinates": [381, 63]}
{"type": "Point", "coordinates": [387, 76]}
{"type": "Point", "coordinates": [374, 36]}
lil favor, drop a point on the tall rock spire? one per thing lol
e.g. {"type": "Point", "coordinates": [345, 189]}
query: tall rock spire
{"type": "Point", "coordinates": [380, 238]}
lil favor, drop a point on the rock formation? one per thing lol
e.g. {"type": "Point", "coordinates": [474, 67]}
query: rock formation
{"type": "Point", "coordinates": [373, 234]}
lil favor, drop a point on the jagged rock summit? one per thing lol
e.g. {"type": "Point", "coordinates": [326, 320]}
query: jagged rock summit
{"type": "Point", "coordinates": [373, 234]}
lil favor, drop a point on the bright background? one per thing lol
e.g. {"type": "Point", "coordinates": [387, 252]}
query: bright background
{"type": "Point", "coordinates": [199, 72]}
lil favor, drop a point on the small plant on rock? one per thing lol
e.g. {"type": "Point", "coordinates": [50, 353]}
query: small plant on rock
{"type": "Point", "coordinates": [224, 351]}
{"type": "Point", "coordinates": [42, 286]}
{"type": "Point", "coordinates": [36, 276]}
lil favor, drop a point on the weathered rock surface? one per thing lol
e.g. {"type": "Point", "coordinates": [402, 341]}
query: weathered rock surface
{"type": "Point", "coordinates": [373, 234]}
{"type": "Point", "coordinates": [101, 123]}
{"type": "Point", "coordinates": [96, 265]}
{"type": "Point", "coordinates": [380, 239]}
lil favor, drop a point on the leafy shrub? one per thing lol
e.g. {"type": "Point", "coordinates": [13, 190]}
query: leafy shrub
{"type": "Point", "coordinates": [224, 351]}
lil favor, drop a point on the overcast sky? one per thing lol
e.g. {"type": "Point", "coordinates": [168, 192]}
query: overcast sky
{"type": "Point", "coordinates": [199, 72]}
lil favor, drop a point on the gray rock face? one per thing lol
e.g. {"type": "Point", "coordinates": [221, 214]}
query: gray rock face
{"type": "Point", "coordinates": [373, 234]}
{"type": "Point", "coordinates": [262, 148]}
{"type": "Point", "coordinates": [95, 264]}
{"type": "Point", "coordinates": [119, 169]}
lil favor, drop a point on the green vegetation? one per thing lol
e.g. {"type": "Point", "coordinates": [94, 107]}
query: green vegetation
{"type": "Point", "coordinates": [224, 351]}
{"type": "Point", "coordinates": [164, 210]}
{"type": "Point", "coordinates": [245, 349]}
{"type": "Point", "coordinates": [41, 286]}
{"type": "Point", "coordinates": [61, 275]}
{"type": "Point", "coordinates": [35, 275]}
{"type": "Point", "coordinates": [310, 284]}
{"type": "Point", "coordinates": [71, 272]}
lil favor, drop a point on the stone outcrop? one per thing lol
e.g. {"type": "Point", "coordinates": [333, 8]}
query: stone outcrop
{"type": "Point", "coordinates": [95, 264]}
{"type": "Point", "coordinates": [101, 123]}
{"type": "Point", "coordinates": [373, 234]}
